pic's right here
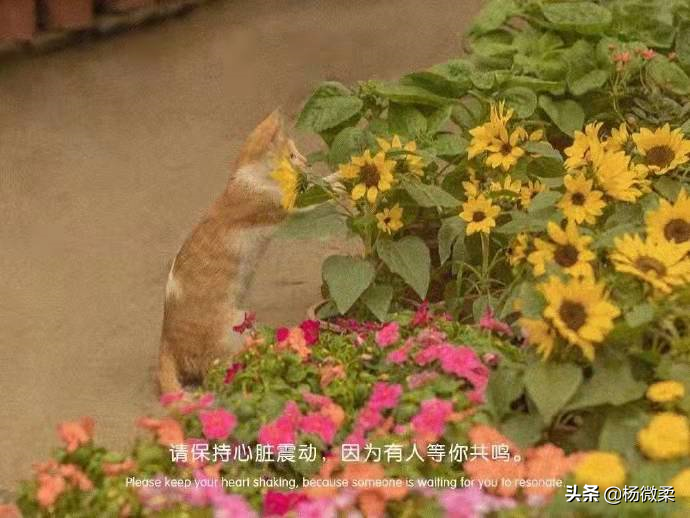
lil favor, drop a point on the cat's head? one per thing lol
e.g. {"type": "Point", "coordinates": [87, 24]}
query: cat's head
{"type": "Point", "coordinates": [269, 143]}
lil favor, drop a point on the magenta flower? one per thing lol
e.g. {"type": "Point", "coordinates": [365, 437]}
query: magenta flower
{"type": "Point", "coordinates": [384, 396]}
{"type": "Point", "coordinates": [400, 354]}
{"type": "Point", "coordinates": [316, 401]}
{"type": "Point", "coordinates": [472, 502]}
{"type": "Point", "coordinates": [421, 317]}
{"type": "Point", "coordinates": [320, 425]}
{"type": "Point", "coordinates": [311, 329]}
{"type": "Point", "coordinates": [422, 378]}
{"type": "Point", "coordinates": [282, 334]}
{"type": "Point", "coordinates": [431, 418]}
{"type": "Point", "coordinates": [321, 508]}
{"type": "Point", "coordinates": [283, 429]}
{"type": "Point", "coordinates": [490, 323]}
{"type": "Point", "coordinates": [464, 363]}
{"type": "Point", "coordinates": [246, 324]}
{"type": "Point", "coordinates": [231, 506]}
{"type": "Point", "coordinates": [356, 437]}
{"type": "Point", "coordinates": [171, 397]}
{"type": "Point", "coordinates": [217, 424]}
{"type": "Point", "coordinates": [388, 334]}
{"type": "Point", "coordinates": [232, 372]}
{"type": "Point", "coordinates": [279, 503]}
{"type": "Point", "coordinates": [369, 418]}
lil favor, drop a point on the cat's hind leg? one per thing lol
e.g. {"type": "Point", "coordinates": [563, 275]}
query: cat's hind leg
{"type": "Point", "coordinates": [168, 379]}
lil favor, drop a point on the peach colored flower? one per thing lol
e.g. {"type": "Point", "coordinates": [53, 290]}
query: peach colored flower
{"type": "Point", "coordinates": [112, 469]}
{"type": "Point", "coordinates": [76, 476]}
{"type": "Point", "coordinates": [50, 487]}
{"type": "Point", "coordinates": [9, 511]}
{"type": "Point", "coordinates": [168, 430]}
{"type": "Point", "coordinates": [330, 372]}
{"type": "Point", "coordinates": [76, 433]}
{"type": "Point", "coordinates": [544, 463]}
{"type": "Point", "coordinates": [496, 470]}
{"type": "Point", "coordinates": [334, 412]}
{"type": "Point", "coordinates": [372, 502]}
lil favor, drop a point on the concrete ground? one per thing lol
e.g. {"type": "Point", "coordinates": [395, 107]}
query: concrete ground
{"type": "Point", "coordinates": [110, 151]}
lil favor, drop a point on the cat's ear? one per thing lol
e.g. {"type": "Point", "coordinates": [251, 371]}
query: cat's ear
{"type": "Point", "coordinates": [267, 138]}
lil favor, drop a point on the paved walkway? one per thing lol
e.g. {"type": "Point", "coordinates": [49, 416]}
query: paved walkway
{"type": "Point", "coordinates": [110, 151]}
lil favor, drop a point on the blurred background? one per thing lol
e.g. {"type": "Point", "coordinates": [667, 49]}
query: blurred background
{"type": "Point", "coordinates": [115, 135]}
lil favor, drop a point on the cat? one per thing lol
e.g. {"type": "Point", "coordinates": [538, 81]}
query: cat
{"type": "Point", "coordinates": [211, 273]}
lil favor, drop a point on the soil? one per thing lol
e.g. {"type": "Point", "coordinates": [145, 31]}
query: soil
{"type": "Point", "coordinates": [110, 152]}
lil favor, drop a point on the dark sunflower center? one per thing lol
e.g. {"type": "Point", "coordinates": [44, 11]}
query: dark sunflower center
{"type": "Point", "coordinates": [478, 216]}
{"type": "Point", "coordinates": [573, 314]}
{"type": "Point", "coordinates": [566, 255]}
{"type": "Point", "coordinates": [506, 148]}
{"type": "Point", "coordinates": [660, 156]}
{"type": "Point", "coordinates": [578, 198]}
{"type": "Point", "coordinates": [387, 220]}
{"type": "Point", "coordinates": [677, 230]}
{"type": "Point", "coordinates": [648, 264]}
{"type": "Point", "coordinates": [369, 175]}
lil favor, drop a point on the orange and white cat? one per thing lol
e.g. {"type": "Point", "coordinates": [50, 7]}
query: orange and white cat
{"type": "Point", "coordinates": [211, 273]}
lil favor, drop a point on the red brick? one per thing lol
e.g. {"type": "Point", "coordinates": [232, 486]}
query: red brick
{"type": "Point", "coordinates": [67, 14]}
{"type": "Point", "coordinates": [17, 19]}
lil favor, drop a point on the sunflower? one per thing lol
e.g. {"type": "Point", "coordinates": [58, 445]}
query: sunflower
{"type": "Point", "coordinates": [581, 203]}
{"type": "Point", "coordinates": [539, 334]}
{"type": "Point", "coordinates": [505, 151]}
{"type": "Point", "coordinates": [390, 220]}
{"type": "Point", "coordinates": [519, 249]}
{"type": "Point", "coordinates": [529, 191]}
{"type": "Point", "coordinates": [662, 150]}
{"type": "Point", "coordinates": [480, 214]}
{"type": "Point", "coordinates": [411, 162]}
{"type": "Point", "coordinates": [619, 138]}
{"type": "Point", "coordinates": [662, 264]}
{"type": "Point", "coordinates": [616, 176]}
{"type": "Point", "coordinates": [288, 180]}
{"type": "Point", "coordinates": [508, 186]}
{"type": "Point", "coordinates": [580, 311]}
{"type": "Point", "coordinates": [670, 222]}
{"type": "Point", "coordinates": [579, 153]}
{"type": "Point", "coordinates": [371, 174]}
{"type": "Point", "coordinates": [567, 249]}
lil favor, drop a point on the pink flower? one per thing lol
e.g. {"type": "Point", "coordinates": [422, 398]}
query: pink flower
{"type": "Point", "coordinates": [648, 54]}
{"type": "Point", "coordinates": [232, 372]}
{"type": "Point", "coordinates": [489, 322]}
{"type": "Point", "coordinates": [282, 334]}
{"type": "Point", "coordinates": [316, 401]}
{"type": "Point", "coordinates": [417, 380]}
{"type": "Point", "coordinates": [621, 57]}
{"type": "Point", "coordinates": [311, 329]}
{"type": "Point", "coordinates": [429, 354]}
{"type": "Point", "coordinates": [369, 418]}
{"type": "Point", "coordinates": [464, 363]}
{"type": "Point", "coordinates": [76, 433]}
{"type": "Point", "coordinates": [356, 437]}
{"type": "Point", "coordinates": [431, 419]}
{"type": "Point", "coordinates": [388, 334]}
{"type": "Point", "coordinates": [400, 354]}
{"type": "Point", "coordinates": [321, 508]}
{"type": "Point", "coordinates": [247, 323]}
{"type": "Point", "coordinates": [320, 425]}
{"type": "Point", "coordinates": [279, 503]}
{"type": "Point", "coordinates": [384, 396]}
{"type": "Point", "coordinates": [471, 502]}
{"type": "Point", "coordinates": [231, 506]}
{"type": "Point", "coordinates": [421, 317]}
{"type": "Point", "coordinates": [283, 429]}
{"type": "Point", "coordinates": [217, 424]}
{"type": "Point", "coordinates": [430, 336]}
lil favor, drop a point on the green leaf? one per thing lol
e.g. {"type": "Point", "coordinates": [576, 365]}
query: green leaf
{"type": "Point", "coordinates": [612, 383]}
{"type": "Point", "coordinates": [505, 386]}
{"type": "Point", "coordinates": [551, 385]}
{"type": "Point", "coordinates": [409, 258]}
{"type": "Point", "coordinates": [438, 118]}
{"type": "Point", "coordinates": [523, 429]}
{"type": "Point", "coordinates": [429, 195]}
{"type": "Point", "coordinates": [331, 104]}
{"type": "Point", "coordinates": [312, 196]}
{"type": "Point", "coordinates": [522, 99]}
{"type": "Point", "coordinates": [347, 277]}
{"type": "Point", "coordinates": [322, 221]}
{"type": "Point", "coordinates": [668, 75]}
{"type": "Point", "coordinates": [580, 84]}
{"type": "Point", "coordinates": [405, 120]}
{"type": "Point", "coordinates": [683, 45]}
{"type": "Point", "coordinates": [640, 315]}
{"type": "Point", "coordinates": [451, 229]}
{"type": "Point", "coordinates": [567, 114]}
{"type": "Point", "coordinates": [378, 299]}
{"type": "Point", "coordinates": [544, 200]}
{"type": "Point", "coordinates": [668, 187]}
{"type": "Point", "coordinates": [620, 429]}
{"type": "Point", "coordinates": [536, 84]}
{"type": "Point", "coordinates": [450, 145]}
{"type": "Point", "coordinates": [493, 15]}
{"type": "Point", "coordinates": [581, 17]}
{"type": "Point", "coordinates": [347, 143]}
{"type": "Point", "coordinates": [408, 94]}
{"type": "Point", "coordinates": [543, 149]}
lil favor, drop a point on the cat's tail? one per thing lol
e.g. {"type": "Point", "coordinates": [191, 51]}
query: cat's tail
{"type": "Point", "coordinates": [168, 380]}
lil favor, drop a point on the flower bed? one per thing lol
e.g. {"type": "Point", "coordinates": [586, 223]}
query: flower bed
{"type": "Point", "coordinates": [517, 321]}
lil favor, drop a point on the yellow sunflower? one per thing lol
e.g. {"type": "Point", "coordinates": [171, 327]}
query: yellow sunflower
{"type": "Point", "coordinates": [581, 203]}
{"type": "Point", "coordinates": [480, 214]}
{"type": "Point", "coordinates": [662, 264]}
{"type": "Point", "coordinates": [580, 311]}
{"type": "Point", "coordinates": [519, 249]}
{"type": "Point", "coordinates": [670, 222]}
{"type": "Point", "coordinates": [615, 175]}
{"type": "Point", "coordinates": [567, 249]}
{"type": "Point", "coordinates": [619, 138]}
{"type": "Point", "coordinates": [662, 150]}
{"type": "Point", "coordinates": [411, 162]}
{"type": "Point", "coordinates": [371, 175]}
{"type": "Point", "coordinates": [579, 153]}
{"type": "Point", "coordinates": [288, 179]}
{"type": "Point", "coordinates": [529, 191]}
{"type": "Point", "coordinates": [505, 151]}
{"type": "Point", "coordinates": [539, 334]}
{"type": "Point", "coordinates": [508, 185]}
{"type": "Point", "coordinates": [390, 220]}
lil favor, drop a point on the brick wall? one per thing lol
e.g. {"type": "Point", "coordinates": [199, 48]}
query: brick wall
{"type": "Point", "coordinates": [32, 23]}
